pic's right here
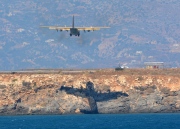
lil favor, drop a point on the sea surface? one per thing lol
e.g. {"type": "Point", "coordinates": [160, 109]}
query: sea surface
{"type": "Point", "coordinates": [95, 121]}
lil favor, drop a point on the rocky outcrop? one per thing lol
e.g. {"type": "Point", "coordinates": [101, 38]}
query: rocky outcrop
{"type": "Point", "coordinates": [100, 91]}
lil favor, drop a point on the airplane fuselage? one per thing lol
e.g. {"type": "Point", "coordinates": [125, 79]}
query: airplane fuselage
{"type": "Point", "coordinates": [74, 31]}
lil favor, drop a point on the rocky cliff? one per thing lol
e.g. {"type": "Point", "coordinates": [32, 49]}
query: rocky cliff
{"type": "Point", "coordinates": [87, 91]}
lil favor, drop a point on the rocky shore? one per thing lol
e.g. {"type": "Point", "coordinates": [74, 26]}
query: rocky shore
{"type": "Point", "coordinates": [90, 91]}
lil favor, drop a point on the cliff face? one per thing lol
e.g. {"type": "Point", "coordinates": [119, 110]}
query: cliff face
{"type": "Point", "coordinates": [100, 91]}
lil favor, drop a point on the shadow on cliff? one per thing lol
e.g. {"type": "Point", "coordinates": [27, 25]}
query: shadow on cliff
{"type": "Point", "coordinates": [92, 95]}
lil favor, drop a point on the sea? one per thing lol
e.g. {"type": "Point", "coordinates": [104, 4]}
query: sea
{"type": "Point", "coordinates": [92, 121]}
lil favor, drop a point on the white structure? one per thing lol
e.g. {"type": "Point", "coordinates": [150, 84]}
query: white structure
{"type": "Point", "coordinates": [154, 65]}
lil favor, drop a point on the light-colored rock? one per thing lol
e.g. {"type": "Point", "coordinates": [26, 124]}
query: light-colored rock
{"type": "Point", "coordinates": [40, 93]}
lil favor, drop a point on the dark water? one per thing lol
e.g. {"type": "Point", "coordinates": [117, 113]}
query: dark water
{"type": "Point", "coordinates": [105, 121]}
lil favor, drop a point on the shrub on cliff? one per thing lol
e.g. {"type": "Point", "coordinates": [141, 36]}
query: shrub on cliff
{"type": "Point", "coordinates": [2, 86]}
{"type": "Point", "coordinates": [26, 84]}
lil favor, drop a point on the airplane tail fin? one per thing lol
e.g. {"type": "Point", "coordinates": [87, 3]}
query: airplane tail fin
{"type": "Point", "coordinates": [73, 22]}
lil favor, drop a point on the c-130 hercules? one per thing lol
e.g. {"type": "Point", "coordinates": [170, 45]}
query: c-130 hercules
{"type": "Point", "coordinates": [73, 30]}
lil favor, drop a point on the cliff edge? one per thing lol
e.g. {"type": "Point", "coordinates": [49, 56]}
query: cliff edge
{"type": "Point", "coordinates": [90, 91]}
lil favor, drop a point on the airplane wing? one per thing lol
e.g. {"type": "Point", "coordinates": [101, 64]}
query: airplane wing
{"type": "Point", "coordinates": [91, 28]}
{"type": "Point", "coordinates": [79, 28]}
{"type": "Point", "coordinates": [57, 28]}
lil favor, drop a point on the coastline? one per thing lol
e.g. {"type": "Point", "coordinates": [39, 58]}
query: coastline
{"type": "Point", "coordinates": [103, 91]}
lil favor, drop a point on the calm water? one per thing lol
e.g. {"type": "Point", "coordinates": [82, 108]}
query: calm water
{"type": "Point", "coordinates": [107, 121]}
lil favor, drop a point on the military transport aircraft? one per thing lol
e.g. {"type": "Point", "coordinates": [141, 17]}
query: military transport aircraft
{"type": "Point", "coordinates": [73, 30]}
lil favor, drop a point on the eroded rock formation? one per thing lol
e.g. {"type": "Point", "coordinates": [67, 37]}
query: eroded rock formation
{"type": "Point", "coordinates": [100, 91]}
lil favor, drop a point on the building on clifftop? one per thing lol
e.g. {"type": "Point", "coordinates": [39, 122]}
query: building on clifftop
{"type": "Point", "coordinates": [154, 65]}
